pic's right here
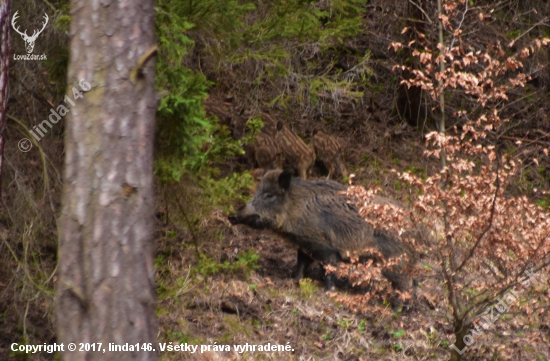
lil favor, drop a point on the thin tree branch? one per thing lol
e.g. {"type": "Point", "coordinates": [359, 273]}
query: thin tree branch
{"type": "Point", "coordinates": [491, 217]}
{"type": "Point", "coordinates": [422, 10]}
{"type": "Point", "coordinates": [460, 24]}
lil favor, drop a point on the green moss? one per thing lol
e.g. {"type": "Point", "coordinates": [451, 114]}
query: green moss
{"type": "Point", "coordinates": [307, 288]}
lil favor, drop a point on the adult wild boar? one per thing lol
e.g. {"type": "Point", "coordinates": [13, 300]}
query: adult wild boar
{"type": "Point", "coordinates": [329, 150]}
{"type": "Point", "coordinates": [320, 222]}
{"type": "Point", "coordinates": [298, 155]}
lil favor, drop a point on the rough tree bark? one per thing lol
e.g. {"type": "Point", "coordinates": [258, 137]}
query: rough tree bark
{"type": "Point", "coordinates": [4, 65]}
{"type": "Point", "coordinates": [105, 291]}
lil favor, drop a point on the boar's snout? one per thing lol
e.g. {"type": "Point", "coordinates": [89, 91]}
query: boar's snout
{"type": "Point", "coordinates": [252, 220]}
{"type": "Point", "coordinates": [233, 219]}
{"type": "Point", "coordinates": [236, 218]}
{"type": "Point", "coordinates": [243, 217]}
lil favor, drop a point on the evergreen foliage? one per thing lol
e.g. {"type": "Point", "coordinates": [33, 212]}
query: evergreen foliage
{"type": "Point", "coordinates": [189, 143]}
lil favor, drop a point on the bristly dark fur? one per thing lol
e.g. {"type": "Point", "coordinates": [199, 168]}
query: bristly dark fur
{"type": "Point", "coordinates": [320, 222]}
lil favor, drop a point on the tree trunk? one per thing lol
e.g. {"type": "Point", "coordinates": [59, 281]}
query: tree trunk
{"type": "Point", "coordinates": [105, 292]}
{"type": "Point", "coordinates": [4, 65]}
{"type": "Point", "coordinates": [460, 330]}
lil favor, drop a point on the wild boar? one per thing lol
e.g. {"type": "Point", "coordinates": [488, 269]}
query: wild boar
{"type": "Point", "coordinates": [270, 124]}
{"type": "Point", "coordinates": [315, 217]}
{"type": "Point", "coordinates": [267, 152]}
{"type": "Point", "coordinates": [297, 154]}
{"type": "Point", "coordinates": [329, 150]}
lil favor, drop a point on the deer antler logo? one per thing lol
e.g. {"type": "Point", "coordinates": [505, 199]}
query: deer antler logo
{"type": "Point", "coordinates": [29, 40]}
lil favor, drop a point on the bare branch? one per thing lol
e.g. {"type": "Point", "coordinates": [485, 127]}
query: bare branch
{"type": "Point", "coordinates": [422, 10]}
{"type": "Point", "coordinates": [491, 217]}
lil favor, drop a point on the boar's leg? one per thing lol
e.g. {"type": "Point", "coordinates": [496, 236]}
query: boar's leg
{"type": "Point", "coordinates": [332, 257]}
{"type": "Point", "coordinates": [302, 172]}
{"type": "Point", "coordinates": [342, 167]}
{"type": "Point", "coordinates": [398, 275]}
{"type": "Point", "coordinates": [330, 279]}
{"type": "Point", "coordinates": [401, 282]}
{"type": "Point", "coordinates": [324, 255]}
{"type": "Point", "coordinates": [331, 170]}
{"type": "Point", "coordinates": [303, 262]}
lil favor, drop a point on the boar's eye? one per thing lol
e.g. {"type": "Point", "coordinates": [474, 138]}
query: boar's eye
{"type": "Point", "coordinates": [269, 196]}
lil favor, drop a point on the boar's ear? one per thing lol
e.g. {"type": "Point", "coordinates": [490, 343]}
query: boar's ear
{"type": "Point", "coordinates": [279, 125]}
{"type": "Point", "coordinates": [284, 179]}
{"type": "Point", "coordinates": [258, 174]}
